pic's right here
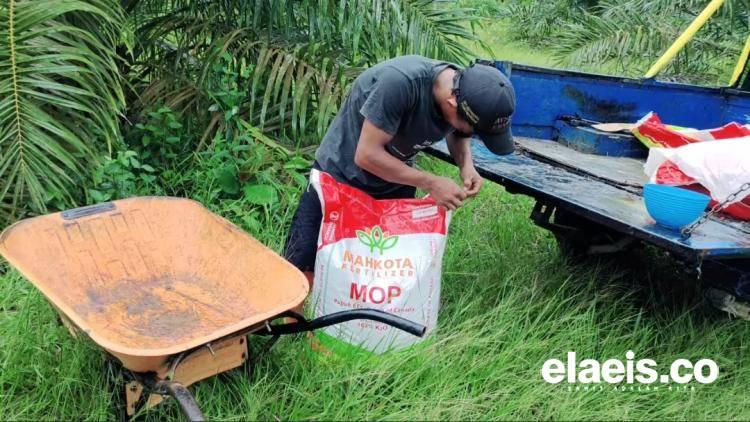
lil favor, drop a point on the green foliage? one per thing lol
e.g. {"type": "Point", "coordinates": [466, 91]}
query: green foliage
{"type": "Point", "coordinates": [190, 72]}
{"type": "Point", "coordinates": [626, 37]}
{"type": "Point", "coordinates": [260, 194]}
{"type": "Point", "coordinates": [60, 97]}
{"type": "Point", "coordinates": [161, 140]}
{"type": "Point", "coordinates": [122, 177]}
{"type": "Point", "coordinates": [240, 173]}
{"type": "Point", "coordinates": [484, 8]}
{"type": "Point", "coordinates": [253, 185]}
{"type": "Point", "coordinates": [635, 33]}
{"type": "Point", "coordinates": [283, 67]}
{"type": "Point", "coordinates": [538, 22]}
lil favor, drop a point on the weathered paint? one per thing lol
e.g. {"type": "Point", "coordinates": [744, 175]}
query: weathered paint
{"type": "Point", "coordinates": [545, 95]}
{"type": "Point", "coordinates": [589, 140]}
{"type": "Point", "coordinates": [151, 277]}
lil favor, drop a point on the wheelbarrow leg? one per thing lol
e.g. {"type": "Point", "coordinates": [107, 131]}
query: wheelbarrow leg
{"type": "Point", "coordinates": [116, 386]}
{"type": "Point", "coordinates": [186, 400]}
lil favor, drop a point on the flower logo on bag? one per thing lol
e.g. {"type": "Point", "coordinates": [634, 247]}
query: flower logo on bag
{"type": "Point", "coordinates": [376, 239]}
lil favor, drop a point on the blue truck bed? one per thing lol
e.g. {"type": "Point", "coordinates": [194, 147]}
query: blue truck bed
{"type": "Point", "coordinates": [588, 182]}
{"type": "Point", "coordinates": [618, 207]}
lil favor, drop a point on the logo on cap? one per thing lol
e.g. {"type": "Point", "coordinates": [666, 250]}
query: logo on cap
{"type": "Point", "coordinates": [469, 113]}
{"type": "Point", "coordinates": [500, 123]}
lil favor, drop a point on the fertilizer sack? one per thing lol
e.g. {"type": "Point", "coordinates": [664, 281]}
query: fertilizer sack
{"type": "Point", "coordinates": [378, 254]}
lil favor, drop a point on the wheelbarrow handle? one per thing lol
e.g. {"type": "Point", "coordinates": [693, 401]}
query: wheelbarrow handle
{"type": "Point", "coordinates": [303, 325]}
{"type": "Point", "coordinates": [187, 403]}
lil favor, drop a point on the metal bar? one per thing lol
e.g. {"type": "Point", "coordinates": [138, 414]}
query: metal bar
{"type": "Point", "coordinates": [186, 400]}
{"type": "Point", "coordinates": [344, 316]}
{"type": "Point", "coordinates": [87, 210]}
{"type": "Point", "coordinates": [683, 39]}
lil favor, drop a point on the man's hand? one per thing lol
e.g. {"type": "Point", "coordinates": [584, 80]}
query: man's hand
{"type": "Point", "coordinates": [372, 157]}
{"type": "Point", "coordinates": [472, 180]}
{"type": "Point", "coordinates": [460, 149]}
{"type": "Point", "coordinates": [446, 192]}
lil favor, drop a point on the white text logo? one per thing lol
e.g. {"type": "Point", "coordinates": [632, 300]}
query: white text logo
{"type": "Point", "coordinates": [615, 371]}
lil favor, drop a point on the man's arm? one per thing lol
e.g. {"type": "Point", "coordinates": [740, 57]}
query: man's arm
{"type": "Point", "coordinates": [372, 156]}
{"type": "Point", "coordinates": [460, 150]}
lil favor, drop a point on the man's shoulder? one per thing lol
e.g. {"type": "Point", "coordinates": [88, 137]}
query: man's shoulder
{"type": "Point", "coordinates": [410, 67]}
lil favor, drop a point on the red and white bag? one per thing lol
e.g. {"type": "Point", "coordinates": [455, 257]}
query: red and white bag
{"type": "Point", "coordinates": [712, 161]}
{"type": "Point", "coordinates": [380, 254]}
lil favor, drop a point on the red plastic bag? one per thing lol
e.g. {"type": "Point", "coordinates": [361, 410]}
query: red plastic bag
{"type": "Point", "coordinates": [669, 174]}
{"type": "Point", "coordinates": [652, 132]}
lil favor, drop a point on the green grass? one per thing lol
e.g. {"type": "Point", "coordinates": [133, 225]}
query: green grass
{"type": "Point", "coordinates": [496, 36]}
{"type": "Point", "coordinates": [509, 302]}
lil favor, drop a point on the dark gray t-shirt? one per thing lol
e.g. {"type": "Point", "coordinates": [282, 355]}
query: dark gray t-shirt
{"type": "Point", "coordinates": [396, 96]}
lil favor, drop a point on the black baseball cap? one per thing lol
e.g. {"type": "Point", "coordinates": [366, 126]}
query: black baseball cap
{"type": "Point", "coordinates": [486, 100]}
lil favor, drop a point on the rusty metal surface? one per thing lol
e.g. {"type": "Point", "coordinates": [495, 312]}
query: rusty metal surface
{"type": "Point", "coordinates": [152, 276]}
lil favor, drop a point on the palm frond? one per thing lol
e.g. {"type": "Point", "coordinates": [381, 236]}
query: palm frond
{"type": "Point", "coordinates": [60, 95]}
{"type": "Point", "coordinates": [296, 58]}
{"type": "Point", "coordinates": [632, 34]}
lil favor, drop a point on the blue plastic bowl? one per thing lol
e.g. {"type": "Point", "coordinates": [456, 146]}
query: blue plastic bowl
{"type": "Point", "coordinates": [672, 206]}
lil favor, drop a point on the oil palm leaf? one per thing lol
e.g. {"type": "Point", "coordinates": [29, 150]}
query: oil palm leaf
{"type": "Point", "coordinates": [298, 56]}
{"type": "Point", "coordinates": [59, 96]}
{"type": "Point", "coordinates": [633, 33]}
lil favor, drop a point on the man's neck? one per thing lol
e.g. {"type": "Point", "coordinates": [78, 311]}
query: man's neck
{"type": "Point", "coordinates": [443, 84]}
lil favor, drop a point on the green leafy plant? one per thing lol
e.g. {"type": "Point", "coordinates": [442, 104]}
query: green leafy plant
{"type": "Point", "coordinates": [376, 239]}
{"type": "Point", "coordinates": [260, 194]}
{"type": "Point", "coordinates": [121, 177]}
{"type": "Point", "coordinates": [162, 140]}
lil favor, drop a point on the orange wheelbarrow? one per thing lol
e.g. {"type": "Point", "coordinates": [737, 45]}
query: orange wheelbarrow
{"type": "Point", "coordinates": [170, 290]}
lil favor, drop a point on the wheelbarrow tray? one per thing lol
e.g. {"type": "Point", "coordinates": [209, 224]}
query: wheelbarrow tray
{"type": "Point", "coordinates": [150, 277]}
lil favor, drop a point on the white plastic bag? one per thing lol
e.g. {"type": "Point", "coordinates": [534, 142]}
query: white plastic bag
{"type": "Point", "coordinates": [721, 166]}
{"type": "Point", "coordinates": [379, 254]}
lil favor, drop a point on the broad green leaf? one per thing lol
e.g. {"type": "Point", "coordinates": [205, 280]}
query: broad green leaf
{"type": "Point", "coordinates": [297, 162]}
{"type": "Point", "coordinates": [261, 194]}
{"type": "Point", "coordinates": [97, 196]}
{"type": "Point", "coordinates": [227, 178]}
